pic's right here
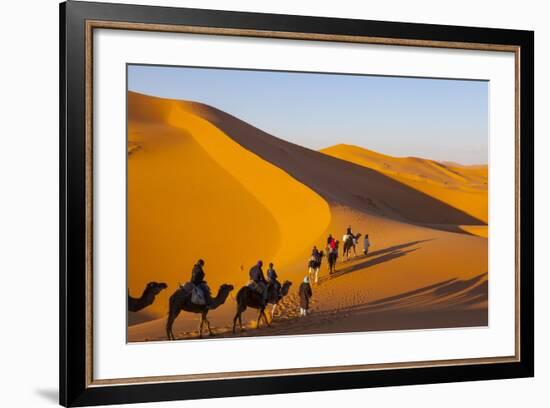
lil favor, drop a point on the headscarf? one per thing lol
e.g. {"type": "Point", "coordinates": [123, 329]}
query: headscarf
{"type": "Point", "coordinates": [306, 279]}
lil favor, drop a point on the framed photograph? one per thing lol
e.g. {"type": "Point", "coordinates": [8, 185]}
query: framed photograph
{"type": "Point", "coordinates": [256, 203]}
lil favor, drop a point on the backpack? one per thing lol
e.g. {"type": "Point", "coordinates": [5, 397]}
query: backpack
{"type": "Point", "coordinates": [197, 296]}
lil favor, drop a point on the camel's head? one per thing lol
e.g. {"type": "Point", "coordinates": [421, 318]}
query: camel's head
{"type": "Point", "coordinates": [358, 235]}
{"type": "Point", "coordinates": [286, 287]}
{"type": "Point", "coordinates": [226, 288]}
{"type": "Point", "coordinates": [156, 287]}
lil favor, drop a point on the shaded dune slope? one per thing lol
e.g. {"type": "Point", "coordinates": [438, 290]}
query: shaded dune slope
{"type": "Point", "coordinates": [199, 176]}
{"type": "Point", "coordinates": [338, 181]}
{"type": "Point", "coordinates": [462, 187]}
{"type": "Point", "coordinates": [195, 193]}
{"type": "Point", "coordinates": [414, 168]}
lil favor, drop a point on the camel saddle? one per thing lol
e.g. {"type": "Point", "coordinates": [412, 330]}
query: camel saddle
{"type": "Point", "coordinates": [255, 287]}
{"type": "Point", "coordinates": [198, 296]}
{"type": "Point", "coordinates": [187, 287]}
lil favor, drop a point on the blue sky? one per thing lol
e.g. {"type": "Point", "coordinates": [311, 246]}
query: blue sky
{"type": "Point", "coordinates": [438, 119]}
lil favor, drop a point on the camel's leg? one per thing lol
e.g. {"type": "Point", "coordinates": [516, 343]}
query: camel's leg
{"type": "Point", "coordinates": [354, 252]}
{"type": "Point", "coordinates": [265, 318]}
{"type": "Point", "coordinates": [208, 326]}
{"type": "Point", "coordinates": [170, 322]}
{"type": "Point", "coordinates": [200, 325]}
{"type": "Point", "coordinates": [273, 311]}
{"type": "Point", "coordinates": [316, 275]}
{"type": "Point", "coordinates": [237, 316]}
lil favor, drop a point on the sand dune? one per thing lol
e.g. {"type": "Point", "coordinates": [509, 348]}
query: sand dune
{"type": "Point", "coordinates": [341, 182]}
{"type": "Point", "coordinates": [195, 193]}
{"type": "Point", "coordinates": [462, 187]}
{"type": "Point", "coordinates": [413, 168]}
{"type": "Point", "coordinates": [203, 183]}
{"type": "Point", "coordinates": [413, 278]}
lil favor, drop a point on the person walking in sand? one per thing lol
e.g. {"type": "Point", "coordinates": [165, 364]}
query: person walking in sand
{"type": "Point", "coordinates": [305, 294]}
{"type": "Point", "coordinates": [366, 244]}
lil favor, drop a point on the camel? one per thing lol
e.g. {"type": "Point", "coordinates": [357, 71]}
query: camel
{"type": "Point", "coordinates": [332, 257]}
{"type": "Point", "coordinates": [248, 297]}
{"type": "Point", "coordinates": [147, 298]}
{"type": "Point", "coordinates": [181, 300]}
{"type": "Point", "coordinates": [314, 266]}
{"type": "Point", "coordinates": [350, 244]}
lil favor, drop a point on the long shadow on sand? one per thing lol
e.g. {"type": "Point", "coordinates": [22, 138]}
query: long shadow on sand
{"type": "Point", "coordinates": [446, 304]}
{"type": "Point", "coordinates": [450, 303]}
{"type": "Point", "coordinates": [382, 256]}
{"type": "Point", "coordinates": [393, 248]}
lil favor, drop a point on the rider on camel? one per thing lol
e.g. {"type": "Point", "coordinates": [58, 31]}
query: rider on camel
{"type": "Point", "coordinates": [257, 280]}
{"type": "Point", "coordinates": [348, 235]}
{"type": "Point", "coordinates": [272, 279]}
{"type": "Point", "coordinates": [315, 254]}
{"type": "Point", "coordinates": [332, 245]}
{"type": "Point", "coordinates": [197, 278]}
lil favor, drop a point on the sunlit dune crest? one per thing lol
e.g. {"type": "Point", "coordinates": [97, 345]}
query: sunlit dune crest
{"type": "Point", "coordinates": [204, 184]}
{"type": "Point", "coordinates": [462, 187]}
{"type": "Point", "coordinates": [195, 193]}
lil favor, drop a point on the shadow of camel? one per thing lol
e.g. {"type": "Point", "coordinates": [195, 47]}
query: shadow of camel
{"type": "Point", "coordinates": [367, 264]}
{"type": "Point", "coordinates": [453, 292]}
{"type": "Point", "coordinates": [394, 248]}
{"type": "Point", "coordinates": [451, 303]}
{"type": "Point", "coordinates": [446, 304]}
{"type": "Point", "coordinates": [383, 255]}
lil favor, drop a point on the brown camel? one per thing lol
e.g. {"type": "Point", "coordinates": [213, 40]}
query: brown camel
{"type": "Point", "coordinates": [314, 266]}
{"type": "Point", "coordinates": [332, 257]}
{"type": "Point", "coordinates": [349, 244]}
{"type": "Point", "coordinates": [147, 298]}
{"type": "Point", "coordinates": [181, 300]}
{"type": "Point", "coordinates": [248, 297]}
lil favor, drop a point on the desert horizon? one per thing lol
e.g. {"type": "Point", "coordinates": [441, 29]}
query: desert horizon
{"type": "Point", "coordinates": [203, 184]}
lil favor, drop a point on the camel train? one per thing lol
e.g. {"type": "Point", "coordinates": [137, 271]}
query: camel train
{"type": "Point", "coordinates": [259, 293]}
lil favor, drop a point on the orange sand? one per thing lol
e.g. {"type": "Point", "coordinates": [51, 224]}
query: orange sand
{"type": "Point", "coordinates": [463, 187]}
{"type": "Point", "coordinates": [195, 193]}
{"type": "Point", "coordinates": [204, 184]}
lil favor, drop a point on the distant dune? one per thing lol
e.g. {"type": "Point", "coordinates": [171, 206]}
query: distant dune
{"type": "Point", "coordinates": [462, 187]}
{"type": "Point", "coordinates": [204, 184]}
{"type": "Point", "coordinates": [341, 182]}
